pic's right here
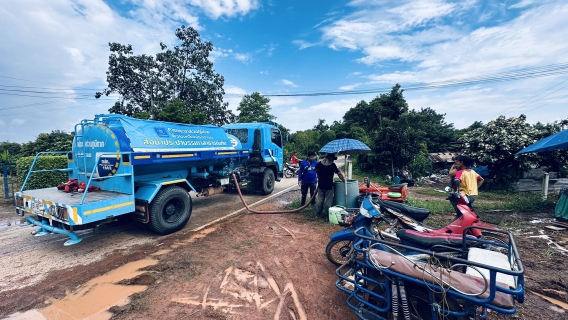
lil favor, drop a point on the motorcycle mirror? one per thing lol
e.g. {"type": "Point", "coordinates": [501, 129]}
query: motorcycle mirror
{"type": "Point", "coordinates": [368, 182]}
{"type": "Point", "coordinates": [448, 189]}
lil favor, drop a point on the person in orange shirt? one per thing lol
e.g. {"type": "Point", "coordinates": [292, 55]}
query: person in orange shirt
{"type": "Point", "coordinates": [469, 180]}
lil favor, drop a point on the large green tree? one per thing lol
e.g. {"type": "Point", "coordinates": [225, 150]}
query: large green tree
{"type": "Point", "coordinates": [496, 143]}
{"type": "Point", "coordinates": [431, 127]}
{"type": "Point", "coordinates": [57, 140]}
{"type": "Point", "coordinates": [147, 84]}
{"type": "Point", "coordinates": [254, 108]}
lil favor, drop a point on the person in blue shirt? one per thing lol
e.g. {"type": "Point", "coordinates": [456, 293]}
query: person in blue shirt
{"type": "Point", "coordinates": [307, 177]}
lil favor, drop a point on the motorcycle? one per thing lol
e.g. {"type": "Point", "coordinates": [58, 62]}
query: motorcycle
{"type": "Point", "coordinates": [401, 223]}
{"type": "Point", "coordinates": [291, 170]}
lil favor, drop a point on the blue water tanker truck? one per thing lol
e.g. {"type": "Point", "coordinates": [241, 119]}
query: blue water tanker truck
{"type": "Point", "coordinates": [120, 165]}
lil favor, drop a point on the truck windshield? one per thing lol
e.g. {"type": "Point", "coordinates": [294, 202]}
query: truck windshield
{"type": "Point", "coordinates": [241, 134]}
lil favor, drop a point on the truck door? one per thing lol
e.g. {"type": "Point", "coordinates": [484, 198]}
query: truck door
{"type": "Point", "coordinates": [276, 146]}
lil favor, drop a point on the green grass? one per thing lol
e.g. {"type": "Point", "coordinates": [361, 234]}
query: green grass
{"type": "Point", "coordinates": [523, 202]}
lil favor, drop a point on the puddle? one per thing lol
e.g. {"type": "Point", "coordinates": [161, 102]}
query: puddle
{"type": "Point", "coordinates": [202, 234]}
{"type": "Point", "coordinates": [552, 300]}
{"type": "Point", "coordinates": [161, 252]}
{"type": "Point", "coordinates": [93, 299]}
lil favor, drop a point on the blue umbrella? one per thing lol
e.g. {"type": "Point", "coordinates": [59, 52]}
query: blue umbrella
{"type": "Point", "coordinates": [556, 141]}
{"type": "Point", "coordinates": [345, 146]}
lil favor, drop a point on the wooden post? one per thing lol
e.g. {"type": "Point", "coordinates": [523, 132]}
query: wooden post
{"type": "Point", "coordinates": [545, 186]}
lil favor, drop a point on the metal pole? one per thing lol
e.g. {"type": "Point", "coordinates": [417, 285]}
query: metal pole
{"type": "Point", "coordinates": [5, 175]}
{"type": "Point", "coordinates": [545, 186]}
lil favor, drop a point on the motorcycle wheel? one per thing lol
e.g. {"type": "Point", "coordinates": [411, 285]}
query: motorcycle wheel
{"type": "Point", "coordinates": [339, 252]}
{"type": "Point", "coordinates": [388, 230]}
{"type": "Point", "coordinates": [288, 173]}
{"type": "Point", "coordinates": [497, 238]}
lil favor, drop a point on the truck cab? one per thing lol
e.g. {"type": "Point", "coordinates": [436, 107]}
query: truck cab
{"type": "Point", "coordinates": [264, 142]}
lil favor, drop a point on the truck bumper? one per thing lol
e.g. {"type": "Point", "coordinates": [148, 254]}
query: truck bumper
{"type": "Point", "coordinates": [45, 229]}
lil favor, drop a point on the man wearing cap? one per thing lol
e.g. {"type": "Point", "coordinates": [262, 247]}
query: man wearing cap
{"type": "Point", "coordinates": [326, 169]}
{"type": "Point", "coordinates": [307, 177]}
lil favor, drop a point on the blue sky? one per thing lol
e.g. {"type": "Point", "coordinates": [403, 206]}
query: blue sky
{"type": "Point", "coordinates": [57, 51]}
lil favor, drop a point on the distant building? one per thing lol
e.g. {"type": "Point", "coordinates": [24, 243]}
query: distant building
{"type": "Point", "coordinates": [442, 160]}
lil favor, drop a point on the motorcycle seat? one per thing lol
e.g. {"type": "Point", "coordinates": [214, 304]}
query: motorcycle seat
{"type": "Point", "coordinates": [397, 186]}
{"type": "Point", "coordinates": [428, 240]}
{"type": "Point", "coordinates": [418, 214]}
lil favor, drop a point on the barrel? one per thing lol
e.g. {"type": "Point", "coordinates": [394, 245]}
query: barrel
{"type": "Point", "coordinates": [352, 193]}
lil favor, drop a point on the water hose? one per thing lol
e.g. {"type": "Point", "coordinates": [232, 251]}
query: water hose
{"type": "Point", "coordinates": [271, 212]}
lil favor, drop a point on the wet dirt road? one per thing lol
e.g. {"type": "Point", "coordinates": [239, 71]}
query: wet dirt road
{"type": "Point", "coordinates": [26, 259]}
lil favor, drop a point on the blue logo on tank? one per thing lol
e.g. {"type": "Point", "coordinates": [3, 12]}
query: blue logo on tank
{"type": "Point", "coordinates": [161, 132]}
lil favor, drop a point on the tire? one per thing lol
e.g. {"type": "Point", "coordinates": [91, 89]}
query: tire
{"type": "Point", "coordinates": [170, 210]}
{"type": "Point", "coordinates": [497, 238]}
{"type": "Point", "coordinates": [267, 181]}
{"type": "Point", "coordinates": [386, 230]}
{"type": "Point", "coordinates": [419, 304]}
{"type": "Point", "coordinates": [339, 251]}
{"type": "Point", "coordinates": [288, 173]}
{"type": "Point", "coordinates": [378, 289]}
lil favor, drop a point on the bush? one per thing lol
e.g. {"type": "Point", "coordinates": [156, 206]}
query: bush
{"type": "Point", "coordinates": [42, 179]}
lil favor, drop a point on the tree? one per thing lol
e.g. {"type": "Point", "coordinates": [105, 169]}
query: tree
{"type": "Point", "coordinates": [321, 127]}
{"type": "Point", "coordinates": [13, 148]}
{"type": "Point", "coordinates": [55, 141]}
{"type": "Point", "coordinates": [147, 85]}
{"type": "Point", "coordinates": [254, 108]}
{"type": "Point", "coordinates": [495, 145]}
{"type": "Point", "coordinates": [435, 133]}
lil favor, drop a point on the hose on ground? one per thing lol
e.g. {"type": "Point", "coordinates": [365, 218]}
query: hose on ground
{"type": "Point", "coordinates": [271, 212]}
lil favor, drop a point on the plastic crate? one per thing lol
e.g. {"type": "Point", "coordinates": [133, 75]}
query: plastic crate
{"type": "Point", "coordinates": [492, 216]}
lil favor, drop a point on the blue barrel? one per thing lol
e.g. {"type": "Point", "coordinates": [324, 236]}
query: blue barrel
{"type": "Point", "coordinates": [352, 193]}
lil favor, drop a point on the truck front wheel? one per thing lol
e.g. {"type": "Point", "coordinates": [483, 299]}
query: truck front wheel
{"type": "Point", "coordinates": [267, 181]}
{"type": "Point", "coordinates": [170, 210]}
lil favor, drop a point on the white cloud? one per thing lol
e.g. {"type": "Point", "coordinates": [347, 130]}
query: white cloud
{"type": "Point", "coordinates": [288, 83]}
{"type": "Point", "coordinates": [350, 86]}
{"type": "Point", "coordinates": [522, 4]}
{"type": "Point", "coordinates": [304, 44]}
{"type": "Point", "coordinates": [229, 8]}
{"type": "Point", "coordinates": [233, 95]}
{"type": "Point", "coordinates": [243, 57]}
{"type": "Point", "coordinates": [301, 118]}
{"type": "Point", "coordinates": [2, 123]}
{"type": "Point", "coordinates": [285, 101]}
{"type": "Point", "coordinates": [263, 72]}
{"type": "Point", "coordinates": [18, 122]}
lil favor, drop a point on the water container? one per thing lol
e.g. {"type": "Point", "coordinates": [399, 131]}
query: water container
{"type": "Point", "coordinates": [352, 193]}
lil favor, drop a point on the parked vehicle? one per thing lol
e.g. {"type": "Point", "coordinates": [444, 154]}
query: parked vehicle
{"type": "Point", "coordinates": [291, 170]}
{"type": "Point", "coordinates": [385, 280]}
{"type": "Point", "coordinates": [398, 222]}
{"type": "Point", "coordinates": [148, 169]}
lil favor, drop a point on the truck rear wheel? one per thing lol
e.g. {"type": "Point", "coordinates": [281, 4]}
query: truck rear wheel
{"type": "Point", "coordinates": [267, 181]}
{"type": "Point", "coordinates": [170, 210]}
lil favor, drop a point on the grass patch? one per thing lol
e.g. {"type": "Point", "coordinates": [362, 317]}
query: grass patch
{"type": "Point", "coordinates": [522, 202]}
{"type": "Point", "coordinates": [435, 206]}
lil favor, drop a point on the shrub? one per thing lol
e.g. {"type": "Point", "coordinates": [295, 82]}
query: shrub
{"type": "Point", "coordinates": [41, 180]}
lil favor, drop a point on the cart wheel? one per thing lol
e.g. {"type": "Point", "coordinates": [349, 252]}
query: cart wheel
{"type": "Point", "coordinates": [339, 251]}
